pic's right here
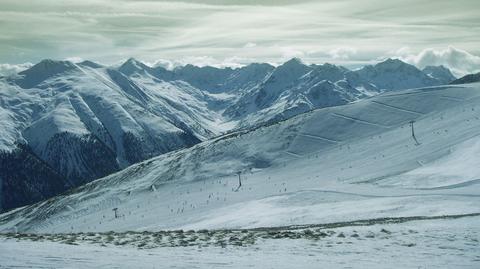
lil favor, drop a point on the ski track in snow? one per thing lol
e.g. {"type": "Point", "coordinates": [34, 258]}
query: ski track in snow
{"type": "Point", "coordinates": [397, 108]}
{"type": "Point", "coordinates": [359, 120]}
{"type": "Point", "coordinates": [320, 137]}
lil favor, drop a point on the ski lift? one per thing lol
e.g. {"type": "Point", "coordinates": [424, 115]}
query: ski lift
{"type": "Point", "coordinates": [115, 210]}
{"type": "Point", "coordinates": [413, 133]}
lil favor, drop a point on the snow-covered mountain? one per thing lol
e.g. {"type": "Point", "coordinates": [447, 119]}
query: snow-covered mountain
{"type": "Point", "coordinates": [291, 89]}
{"type": "Point", "coordinates": [77, 122]}
{"type": "Point", "coordinates": [86, 122]}
{"type": "Point", "coordinates": [393, 74]}
{"type": "Point", "coordinates": [410, 153]}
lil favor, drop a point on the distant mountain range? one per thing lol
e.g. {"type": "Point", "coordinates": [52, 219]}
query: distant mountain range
{"type": "Point", "coordinates": [65, 124]}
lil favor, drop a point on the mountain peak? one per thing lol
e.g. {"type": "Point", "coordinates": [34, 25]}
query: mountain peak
{"type": "Point", "coordinates": [328, 71]}
{"type": "Point", "coordinates": [293, 61]}
{"type": "Point", "coordinates": [43, 70]}
{"type": "Point", "coordinates": [132, 61]}
{"type": "Point", "coordinates": [392, 63]}
{"type": "Point", "coordinates": [294, 65]}
{"type": "Point", "coordinates": [132, 66]}
{"type": "Point", "coordinates": [395, 65]}
{"type": "Point", "coordinates": [49, 64]}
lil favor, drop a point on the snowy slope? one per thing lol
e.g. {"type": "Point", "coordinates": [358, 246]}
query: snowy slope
{"type": "Point", "coordinates": [357, 161]}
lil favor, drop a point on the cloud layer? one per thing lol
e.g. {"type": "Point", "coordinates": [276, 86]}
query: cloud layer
{"type": "Point", "coordinates": [460, 62]}
{"type": "Point", "coordinates": [349, 32]}
{"type": "Point", "coordinates": [9, 69]}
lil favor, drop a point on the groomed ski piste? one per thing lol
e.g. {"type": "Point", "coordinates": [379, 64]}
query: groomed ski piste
{"type": "Point", "coordinates": [392, 181]}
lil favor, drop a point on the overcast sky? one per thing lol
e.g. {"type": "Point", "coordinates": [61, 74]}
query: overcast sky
{"type": "Point", "coordinates": [221, 32]}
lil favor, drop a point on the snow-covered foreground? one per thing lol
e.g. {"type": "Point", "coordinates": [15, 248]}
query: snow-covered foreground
{"type": "Point", "coordinates": [439, 243]}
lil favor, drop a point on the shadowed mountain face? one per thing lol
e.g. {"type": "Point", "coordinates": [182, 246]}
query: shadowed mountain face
{"type": "Point", "coordinates": [79, 122]}
{"type": "Point", "coordinates": [471, 78]}
{"type": "Point", "coordinates": [440, 73]}
{"type": "Point", "coordinates": [27, 179]}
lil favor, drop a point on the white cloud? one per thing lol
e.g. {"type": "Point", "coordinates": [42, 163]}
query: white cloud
{"type": "Point", "coordinates": [402, 52]}
{"type": "Point", "coordinates": [342, 53]}
{"type": "Point", "coordinates": [460, 62]}
{"type": "Point", "coordinates": [289, 52]}
{"type": "Point", "coordinates": [233, 62]}
{"type": "Point", "coordinates": [74, 59]}
{"type": "Point", "coordinates": [316, 31]}
{"type": "Point", "coordinates": [9, 69]}
{"type": "Point", "coordinates": [167, 64]}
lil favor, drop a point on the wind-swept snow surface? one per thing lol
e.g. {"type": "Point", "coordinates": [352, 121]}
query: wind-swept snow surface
{"type": "Point", "coordinates": [358, 161]}
{"type": "Point", "coordinates": [444, 243]}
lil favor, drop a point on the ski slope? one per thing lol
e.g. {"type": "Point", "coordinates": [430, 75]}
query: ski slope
{"type": "Point", "coordinates": [345, 163]}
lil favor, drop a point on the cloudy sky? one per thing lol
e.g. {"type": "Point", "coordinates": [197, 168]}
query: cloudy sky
{"type": "Point", "coordinates": [233, 32]}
